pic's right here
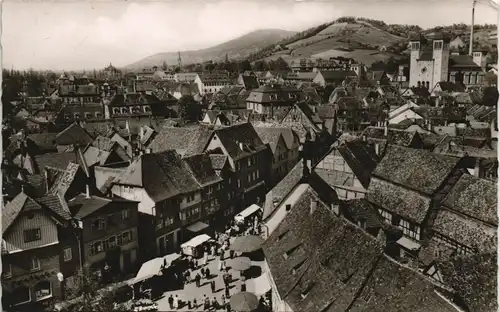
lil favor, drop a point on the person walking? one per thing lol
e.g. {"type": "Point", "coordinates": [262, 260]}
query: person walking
{"type": "Point", "coordinates": [195, 303]}
{"type": "Point", "coordinates": [212, 250]}
{"type": "Point", "coordinates": [212, 285]}
{"type": "Point", "coordinates": [202, 272]}
{"type": "Point", "coordinates": [176, 302]}
{"type": "Point", "coordinates": [215, 304]}
{"type": "Point", "coordinates": [205, 258]}
{"type": "Point", "coordinates": [231, 253]}
{"type": "Point", "coordinates": [197, 279]}
{"type": "Point", "coordinates": [223, 301]}
{"type": "Point", "coordinates": [171, 302]}
{"type": "Point", "coordinates": [206, 303]}
{"type": "Point", "coordinates": [219, 265]}
{"type": "Point", "coordinates": [227, 292]}
{"type": "Point", "coordinates": [207, 273]}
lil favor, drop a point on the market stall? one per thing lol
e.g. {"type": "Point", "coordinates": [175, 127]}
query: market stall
{"type": "Point", "coordinates": [248, 212]}
{"type": "Point", "coordinates": [194, 247]}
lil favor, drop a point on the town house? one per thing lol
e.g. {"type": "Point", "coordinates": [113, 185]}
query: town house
{"type": "Point", "coordinates": [38, 250]}
{"type": "Point", "coordinates": [107, 231]}
{"type": "Point", "coordinates": [169, 199]}
{"type": "Point", "coordinates": [283, 158]}
{"type": "Point", "coordinates": [272, 100]}
{"type": "Point", "coordinates": [212, 83]}
{"type": "Point", "coordinates": [248, 157]}
{"type": "Point", "coordinates": [407, 187]}
{"type": "Point", "coordinates": [347, 168]}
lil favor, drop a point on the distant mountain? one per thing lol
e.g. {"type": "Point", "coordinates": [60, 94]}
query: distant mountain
{"type": "Point", "coordinates": [237, 48]}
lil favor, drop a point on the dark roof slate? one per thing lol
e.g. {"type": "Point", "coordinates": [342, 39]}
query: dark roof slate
{"type": "Point", "coordinates": [243, 134]}
{"type": "Point", "coordinates": [415, 169]}
{"type": "Point", "coordinates": [74, 134]}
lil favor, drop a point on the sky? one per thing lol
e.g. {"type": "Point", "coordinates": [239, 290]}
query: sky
{"type": "Point", "coordinates": [82, 34]}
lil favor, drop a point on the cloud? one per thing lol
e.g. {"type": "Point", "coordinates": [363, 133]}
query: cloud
{"type": "Point", "coordinates": [54, 37]}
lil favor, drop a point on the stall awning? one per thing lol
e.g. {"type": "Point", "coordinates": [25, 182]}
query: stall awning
{"type": "Point", "coordinates": [196, 241]}
{"type": "Point", "coordinates": [259, 286]}
{"type": "Point", "coordinates": [247, 212]}
{"type": "Point", "coordinates": [153, 267]}
{"type": "Point", "coordinates": [408, 244]}
{"type": "Point", "coordinates": [197, 227]}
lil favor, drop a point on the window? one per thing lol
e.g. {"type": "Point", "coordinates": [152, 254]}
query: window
{"type": "Point", "coordinates": [127, 236]}
{"type": "Point", "coordinates": [159, 223]}
{"type": "Point", "coordinates": [249, 161]}
{"type": "Point", "coordinates": [32, 235]}
{"type": "Point", "coordinates": [196, 210]}
{"type": "Point", "coordinates": [307, 290]}
{"type": "Point", "coordinates": [387, 216]}
{"type": "Point", "coordinates": [258, 174]}
{"type": "Point", "coordinates": [238, 165]}
{"type": "Point", "coordinates": [43, 290]}
{"type": "Point", "coordinates": [67, 254]}
{"type": "Point", "coordinates": [169, 221]}
{"type": "Point", "coordinates": [111, 242]}
{"type": "Point", "coordinates": [101, 223]}
{"type": "Point", "coordinates": [35, 264]}
{"type": "Point", "coordinates": [190, 197]}
{"type": "Point", "coordinates": [239, 183]}
{"type": "Point", "coordinates": [125, 215]}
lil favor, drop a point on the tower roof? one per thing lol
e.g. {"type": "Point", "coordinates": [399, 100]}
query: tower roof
{"type": "Point", "coordinates": [442, 36]}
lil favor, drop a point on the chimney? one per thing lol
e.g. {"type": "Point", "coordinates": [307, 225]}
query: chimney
{"type": "Point", "coordinates": [288, 207]}
{"type": "Point", "coordinates": [141, 133]}
{"type": "Point", "coordinates": [477, 168]}
{"type": "Point", "coordinates": [377, 149]}
{"type": "Point", "coordinates": [314, 205]}
{"type": "Point", "coordinates": [437, 101]}
{"type": "Point", "coordinates": [46, 175]}
{"type": "Point", "coordinates": [386, 130]}
{"type": "Point", "coordinates": [364, 137]}
{"type": "Point", "coordinates": [429, 125]}
{"type": "Point", "coordinates": [87, 191]}
{"type": "Point", "coordinates": [148, 151]}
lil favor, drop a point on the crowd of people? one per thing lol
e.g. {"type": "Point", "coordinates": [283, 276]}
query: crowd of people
{"type": "Point", "coordinates": [215, 250]}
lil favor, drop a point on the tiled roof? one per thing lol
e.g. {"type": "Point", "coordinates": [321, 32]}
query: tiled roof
{"type": "Point", "coordinates": [250, 82]}
{"type": "Point", "coordinates": [201, 167]}
{"type": "Point", "coordinates": [82, 207]}
{"type": "Point", "coordinates": [69, 90]}
{"type": "Point", "coordinates": [335, 75]}
{"type": "Point", "coordinates": [474, 278]}
{"type": "Point", "coordinates": [200, 139]}
{"type": "Point", "coordinates": [57, 204]}
{"type": "Point", "coordinates": [269, 136]}
{"type": "Point", "coordinates": [38, 184]}
{"type": "Point", "coordinates": [282, 189]}
{"type": "Point", "coordinates": [419, 170]}
{"type": "Point", "coordinates": [64, 179]}
{"type": "Point", "coordinates": [463, 61]}
{"type": "Point", "coordinates": [326, 111]}
{"type": "Point", "coordinates": [474, 132]}
{"type": "Point", "coordinates": [474, 197]}
{"type": "Point", "coordinates": [94, 155]}
{"type": "Point", "coordinates": [44, 141]}
{"type": "Point", "coordinates": [55, 160]}
{"type": "Point", "coordinates": [132, 99]}
{"type": "Point", "coordinates": [74, 134]}
{"type": "Point", "coordinates": [455, 150]}
{"type": "Point", "coordinates": [397, 199]}
{"type": "Point", "coordinates": [245, 134]}
{"type": "Point", "coordinates": [218, 161]}
{"type": "Point", "coordinates": [173, 138]}
{"type": "Point", "coordinates": [362, 209]}
{"type": "Point", "coordinates": [103, 143]}
{"type": "Point", "coordinates": [162, 175]}
{"type": "Point", "coordinates": [394, 136]}
{"type": "Point", "coordinates": [451, 86]}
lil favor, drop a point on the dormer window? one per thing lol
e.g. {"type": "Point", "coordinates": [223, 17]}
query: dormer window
{"type": "Point", "coordinates": [307, 290]}
{"type": "Point", "coordinates": [116, 111]}
{"type": "Point", "coordinates": [124, 110]}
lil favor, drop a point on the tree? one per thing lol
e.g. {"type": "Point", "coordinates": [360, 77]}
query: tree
{"type": "Point", "coordinates": [189, 109]}
{"type": "Point", "coordinates": [164, 66]}
{"type": "Point", "coordinates": [86, 295]}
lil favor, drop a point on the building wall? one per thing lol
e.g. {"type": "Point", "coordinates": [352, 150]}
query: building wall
{"type": "Point", "coordinates": [319, 79]}
{"type": "Point", "coordinates": [417, 75]}
{"type": "Point", "coordinates": [280, 166]}
{"type": "Point", "coordinates": [23, 276]}
{"type": "Point", "coordinates": [146, 204]}
{"type": "Point", "coordinates": [441, 55]}
{"type": "Point", "coordinates": [15, 235]}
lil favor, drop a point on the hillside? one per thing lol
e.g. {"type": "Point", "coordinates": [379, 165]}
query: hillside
{"type": "Point", "coordinates": [240, 47]}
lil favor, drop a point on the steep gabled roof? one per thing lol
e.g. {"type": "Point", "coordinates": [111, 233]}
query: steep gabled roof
{"type": "Point", "coordinates": [237, 136]}
{"type": "Point", "coordinates": [13, 208]}
{"type": "Point", "coordinates": [415, 169]}
{"type": "Point", "coordinates": [474, 277]}
{"type": "Point", "coordinates": [64, 179]}
{"type": "Point", "coordinates": [474, 197]}
{"type": "Point", "coordinates": [44, 141]}
{"type": "Point", "coordinates": [218, 161]}
{"type": "Point", "coordinates": [74, 134]}
{"type": "Point", "coordinates": [201, 168]}
{"type": "Point", "coordinates": [269, 136]}
{"type": "Point", "coordinates": [162, 175]}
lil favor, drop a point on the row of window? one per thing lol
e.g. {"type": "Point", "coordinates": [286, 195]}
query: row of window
{"type": "Point", "coordinates": [69, 100]}
{"type": "Point", "coordinates": [87, 115]}
{"type": "Point", "coordinates": [216, 84]}
{"type": "Point", "coordinates": [213, 188]}
{"type": "Point", "coordinates": [102, 222]}
{"type": "Point", "coordinates": [186, 214]}
{"type": "Point", "coordinates": [112, 241]}
{"type": "Point", "coordinates": [131, 110]}
{"type": "Point", "coordinates": [255, 175]}
{"type": "Point", "coordinates": [251, 160]}
{"type": "Point", "coordinates": [164, 222]}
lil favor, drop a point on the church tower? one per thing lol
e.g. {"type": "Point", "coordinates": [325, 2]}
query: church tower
{"type": "Point", "coordinates": [415, 46]}
{"type": "Point", "coordinates": [441, 56]}
{"type": "Point", "coordinates": [179, 60]}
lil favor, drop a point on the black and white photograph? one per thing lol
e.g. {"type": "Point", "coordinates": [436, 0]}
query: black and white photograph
{"type": "Point", "coordinates": [249, 155]}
